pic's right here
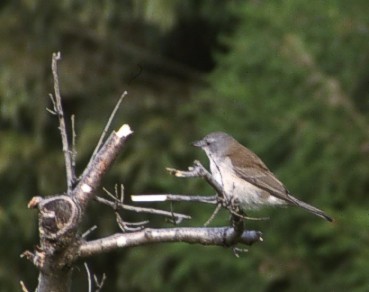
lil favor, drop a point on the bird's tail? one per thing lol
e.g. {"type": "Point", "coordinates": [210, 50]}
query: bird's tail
{"type": "Point", "coordinates": [309, 208]}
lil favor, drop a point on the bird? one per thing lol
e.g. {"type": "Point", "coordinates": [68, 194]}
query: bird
{"type": "Point", "coordinates": [245, 178]}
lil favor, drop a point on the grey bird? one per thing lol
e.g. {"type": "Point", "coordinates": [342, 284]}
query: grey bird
{"type": "Point", "coordinates": [245, 177]}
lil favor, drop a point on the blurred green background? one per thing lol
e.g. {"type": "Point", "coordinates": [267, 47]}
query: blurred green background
{"type": "Point", "coordinates": [289, 79]}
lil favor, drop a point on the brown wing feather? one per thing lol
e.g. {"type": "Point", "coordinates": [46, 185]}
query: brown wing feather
{"type": "Point", "coordinates": [251, 168]}
{"type": "Point", "coordinates": [265, 181]}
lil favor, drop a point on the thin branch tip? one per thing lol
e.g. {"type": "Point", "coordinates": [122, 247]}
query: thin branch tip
{"type": "Point", "coordinates": [23, 286]}
{"type": "Point", "coordinates": [33, 203]}
{"type": "Point", "coordinates": [58, 108]}
{"type": "Point", "coordinates": [57, 55]}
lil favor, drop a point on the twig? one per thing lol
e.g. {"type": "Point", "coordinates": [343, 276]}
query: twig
{"type": "Point", "coordinates": [118, 205]}
{"type": "Point", "coordinates": [49, 110]}
{"type": "Point", "coordinates": [128, 226]}
{"type": "Point", "coordinates": [110, 194]}
{"type": "Point", "coordinates": [173, 220]}
{"type": "Point", "coordinates": [88, 277]}
{"type": "Point", "coordinates": [220, 236]}
{"type": "Point", "coordinates": [88, 231]}
{"type": "Point", "coordinates": [58, 109]}
{"type": "Point", "coordinates": [23, 286]}
{"type": "Point", "coordinates": [216, 211]}
{"type": "Point", "coordinates": [121, 193]}
{"type": "Point", "coordinates": [107, 126]}
{"type": "Point", "coordinates": [99, 284]}
{"type": "Point", "coordinates": [74, 149]}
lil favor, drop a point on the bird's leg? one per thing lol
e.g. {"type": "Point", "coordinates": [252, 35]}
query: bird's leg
{"type": "Point", "coordinates": [237, 223]}
{"type": "Point", "coordinates": [234, 208]}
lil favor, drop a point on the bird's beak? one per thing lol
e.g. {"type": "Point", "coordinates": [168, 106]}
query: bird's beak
{"type": "Point", "coordinates": [199, 143]}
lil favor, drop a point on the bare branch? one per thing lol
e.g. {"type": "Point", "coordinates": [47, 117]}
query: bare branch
{"type": "Point", "coordinates": [74, 149]}
{"type": "Point", "coordinates": [114, 198]}
{"type": "Point", "coordinates": [220, 236]}
{"type": "Point", "coordinates": [23, 286]}
{"type": "Point", "coordinates": [49, 110]}
{"type": "Point", "coordinates": [88, 277]}
{"type": "Point", "coordinates": [121, 193]}
{"type": "Point", "coordinates": [58, 108]}
{"type": "Point", "coordinates": [107, 126]}
{"type": "Point", "coordinates": [129, 226]}
{"type": "Point", "coordinates": [216, 211]}
{"type": "Point", "coordinates": [99, 284]}
{"type": "Point", "coordinates": [118, 205]}
{"type": "Point", "coordinates": [88, 231]}
{"type": "Point", "coordinates": [177, 218]}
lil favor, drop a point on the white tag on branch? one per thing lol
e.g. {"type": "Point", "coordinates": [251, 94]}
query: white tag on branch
{"type": "Point", "coordinates": [86, 188]}
{"type": "Point", "coordinates": [149, 198]}
{"type": "Point", "coordinates": [124, 131]}
{"type": "Point", "coordinates": [121, 241]}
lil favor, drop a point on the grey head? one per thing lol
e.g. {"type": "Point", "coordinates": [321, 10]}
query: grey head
{"type": "Point", "coordinates": [216, 143]}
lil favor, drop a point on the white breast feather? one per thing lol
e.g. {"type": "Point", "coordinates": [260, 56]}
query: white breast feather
{"type": "Point", "coordinates": [248, 195]}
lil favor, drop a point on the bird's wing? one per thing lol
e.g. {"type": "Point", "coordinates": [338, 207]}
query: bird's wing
{"type": "Point", "coordinates": [265, 180]}
{"type": "Point", "coordinates": [253, 170]}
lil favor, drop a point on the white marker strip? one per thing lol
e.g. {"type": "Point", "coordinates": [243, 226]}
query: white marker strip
{"type": "Point", "coordinates": [149, 198]}
{"type": "Point", "coordinates": [121, 241]}
{"type": "Point", "coordinates": [86, 188]}
{"type": "Point", "coordinates": [124, 131]}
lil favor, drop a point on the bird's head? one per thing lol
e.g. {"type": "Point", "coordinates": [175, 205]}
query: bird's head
{"type": "Point", "coordinates": [216, 143]}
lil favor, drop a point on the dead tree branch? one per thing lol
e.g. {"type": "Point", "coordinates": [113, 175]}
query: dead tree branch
{"type": "Point", "coordinates": [220, 236]}
{"type": "Point", "coordinates": [116, 205]}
